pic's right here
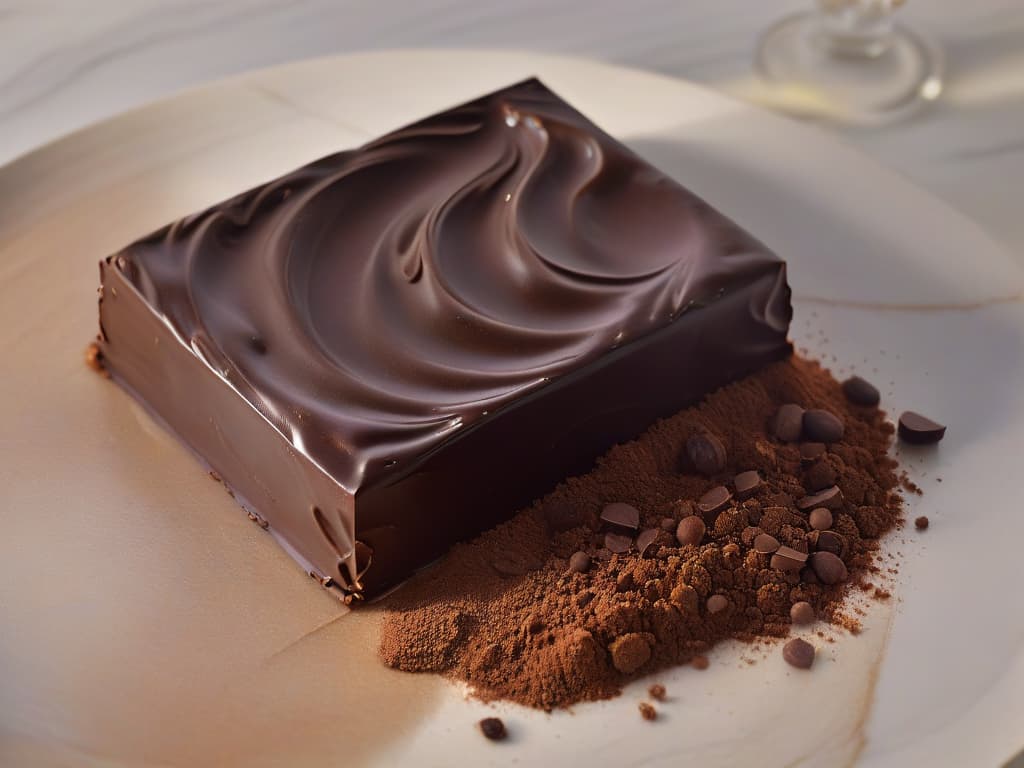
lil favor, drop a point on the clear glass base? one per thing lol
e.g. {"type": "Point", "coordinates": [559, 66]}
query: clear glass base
{"type": "Point", "coordinates": [812, 72]}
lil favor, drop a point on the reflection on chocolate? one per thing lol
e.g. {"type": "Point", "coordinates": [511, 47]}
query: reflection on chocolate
{"type": "Point", "coordinates": [425, 333]}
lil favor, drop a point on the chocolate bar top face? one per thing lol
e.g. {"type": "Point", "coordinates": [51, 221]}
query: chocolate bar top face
{"type": "Point", "coordinates": [377, 302]}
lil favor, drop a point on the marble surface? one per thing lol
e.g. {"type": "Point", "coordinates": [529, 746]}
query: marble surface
{"type": "Point", "coordinates": [67, 63]}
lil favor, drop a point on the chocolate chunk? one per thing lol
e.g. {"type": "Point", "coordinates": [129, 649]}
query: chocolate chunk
{"type": "Point", "coordinates": [717, 603]}
{"type": "Point", "coordinates": [831, 498]}
{"type": "Point", "coordinates": [657, 692]}
{"type": "Point", "coordinates": [714, 500]}
{"type": "Point", "coordinates": [798, 653]}
{"type": "Point", "coordinates": [788, 559]}
{"type": "Point", "coordinates": [561, 516]}
{"type": "Point", "coordinates": [828, 541]}
{"type": "Point", "coordinates": [579, 562]}
{"type": "Point", "coordinates": [861, 392]}
{"type": "Point", "coordinates": [918, 429]}
{"type": "Point", "coordinates": [787, 425]}
{"type": "Point", "coordinates": [668, 524]}
{"type": "Point", "coordinates": [921, 523]}
{"type": "Point", "coordinates": [646, 539]}
{"type": "Point", "coordinates": [630, 652]}
{"type": "Point", "coordinates": [621, 515]}
{"type": "Point", "coordinates": [819, 476]}
{"type": "Point", "coordinates": [706, 453]}
{"type": "Point", "coordinates": [811, 452]}
{"type": "Point", "coordinates": [820, 519]}
{"type": "Point", "coordinates": [802, 613]}
{"type": "Point", "coordinates": [647, 711]}
{"type": "Point", "coordinates": [829, 568]}
{"type": "Point", "coordinates": [766, 544]}
{"type": "Point", "coordinates": [617, 543]}
{"type": "Point", "coordinates": [823, 426]}
{"type": "Point", "coordinates": [746, 483]}
{"type": "Point", "coordinates": [493, 728]}
{"type": "Point", "coordinates": [690, 530]}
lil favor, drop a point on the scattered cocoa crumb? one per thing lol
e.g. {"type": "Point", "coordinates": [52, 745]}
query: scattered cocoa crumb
{"type": "Point", "coordinates": [657, 692]}
{"type": "Point", "coordinates": [94, 359]}
{"type": "Point", "coordinates": [548, 637]}
{"type": "Point", "coordinates": [921, 523]}
{"type": "Point", "coordinates": [493, 728]}
{"type": "Point", "coordinates": [882, 594]}
{"type": "Point", "coordinates": [647, 711]}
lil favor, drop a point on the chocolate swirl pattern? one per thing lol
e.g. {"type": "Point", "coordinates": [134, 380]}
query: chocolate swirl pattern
{"type": "Point", "coordinates": [375, 303]}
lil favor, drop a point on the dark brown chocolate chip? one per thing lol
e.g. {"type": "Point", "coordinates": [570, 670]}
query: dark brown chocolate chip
{"type": "Point", "coordinates": [579, 562]}
{"type": "Point", "coordinates": [827, 541]}
{"type": "Point", "coordinates": [831, 498]}
{"type": "Point", "coordinates": [714, 500]}
{"type": "Point", "coordinates": [920, 430]}
{"type": "Point", "coordinates": [829, 568]}
{"type": "Point", "coordinates": [706, 454]}
{"type": "Point", "coordinates": [820, 519]}
{"type": "Point", "coordinates": [798, 653]}
{"type": "Point", "coordinates": [766, 544]}
{"type": "Point", "coordinates": [647, 711]}
{"type": "Point", "coordinates": [788, 559]}
{"type": "Point", "coordinates": [787, 424]}
{"type": "Point", "coordinates": [861, 392]}
{"type": "Point", "coordinates": [561, 516]}
{"type": "Point", "coordinates": [746, 483]}
{"type": "Point", "coordinates": [921, 523]}
{"type": "Point", "coordinates": [646, 539]}
{"type": "Point", "coordinates": [802, 613]}
{"type": "Point", "coordinates": [822, 426]}
{"type": "Point", "coordinates": [717, 603]}
{"type": "Point", "coordinates": [811, 452]}
{"type": "Point", "coordinates": [657, 692]}
{"type": "Point", "coordinates": [819, 476]}
{"type": "Point", "coordinates": [617, 543]}
{"type": "Point", "coordinates": [690, 531]}
{"type": "Point", "coordinates": [493, 728]}
{"type": "Point", "coordinates": [621, 515]}
{"type": "Point", "coordinates": [668, 524]}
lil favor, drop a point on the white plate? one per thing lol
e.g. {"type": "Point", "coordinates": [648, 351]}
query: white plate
{"type": "Point", "coordinates": [144, 620]}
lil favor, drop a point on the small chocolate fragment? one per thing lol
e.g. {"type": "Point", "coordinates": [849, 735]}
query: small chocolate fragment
{"type": "Point", "coordinates": [561, 516]}
{"type": "Point", "coordinates": [831, 498]}
{"type": "Point", "coordinates": [579, 562]}
{"type": "Point", "coordinates": [714, 500]}
{"type": "Point", "coordinates": [646, 539]}
{"type": "Point", "coordinates": [617, 543]}
{"type": "Point", "coordinates": [717, 603]}
{"type": "Point", "coordinates": [691, 530]}
{"type": "Point", "coordinates": [657, 692]}
{"type": "Point", "coordinates": [624, 582]}
{"type": "Point", "coordinates": [811, 452]}
{"type": "Point", "coordinates": [668, 524]}
{"type": "Point", "coordinates": [802, 613]}
{"type": "Point", "coordinates": [746, 483]}
{"type": "Point", "coordinates": [829, 568]}
{"type": "Point", "coordinates": [921, 523]}
{"type": "Point", "coordinates": [787, 425]}
{"type": "Point", "coordinates": [630, 652]}
{"type": "Point", "coordinates": [919, 430]}
{"type": "Point", "coordinates": [493, 728]}
{"type": "Point", "coordinates": [788, 559]}
{"type": "Point", "coordinates": [509, 567]}
{"type": "Point", "coordinates": [820, 519]}
{"type": "Point", "coordinates": [798, 653]}
{"type": "Point", "coordinates": [647, 711]}
{"type": "Point", "coordinates": [823, 426]}
{"type": "Point", "coordinates": [766, 544]}
{"type": "Point", "coordinates": [861, 392]}
{"type": "Point", "coordinates": [827, 541]}
{"type": "Point", "coordinates": [621, 515]}
{"type": "Point", "coordinates": [706, 453]}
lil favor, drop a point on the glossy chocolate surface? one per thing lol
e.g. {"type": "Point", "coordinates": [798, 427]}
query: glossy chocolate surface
{"type": "Point", "coordinates": [500, 283]}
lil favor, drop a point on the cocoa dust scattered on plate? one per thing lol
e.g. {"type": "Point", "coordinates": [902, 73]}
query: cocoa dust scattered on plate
{"type": "Point", "coordinates": [725, 554]}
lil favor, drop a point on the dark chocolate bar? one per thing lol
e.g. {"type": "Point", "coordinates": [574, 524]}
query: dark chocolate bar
{"type": "Point", "coordinates": [392, 349]}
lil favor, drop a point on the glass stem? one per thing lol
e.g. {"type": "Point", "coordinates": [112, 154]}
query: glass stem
{"type": "Point", "coordinates": [854, 28]}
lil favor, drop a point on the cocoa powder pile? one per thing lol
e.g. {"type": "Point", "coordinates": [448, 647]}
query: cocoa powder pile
{"type": "Point", "coordinates": [716, 522]}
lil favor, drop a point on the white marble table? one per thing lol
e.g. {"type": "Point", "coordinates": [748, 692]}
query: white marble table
{"type": "Point", "coordinates": [67, 63]}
